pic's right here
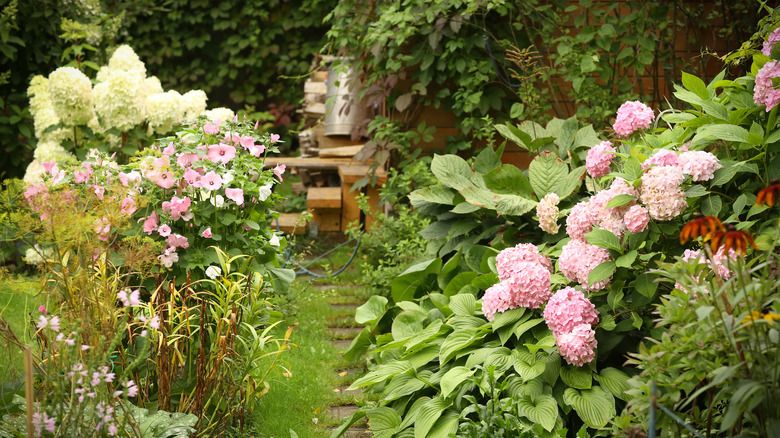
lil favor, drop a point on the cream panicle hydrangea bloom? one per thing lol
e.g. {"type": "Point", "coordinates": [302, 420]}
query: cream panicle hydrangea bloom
{"type": "Point", "coordinates": [70, 92]}
{"type": "Point", "coordinates": [220, 114]}
{"type": "Point", "coordinates": [548, 213]}
{"type": "Point", "coordinates": [193, 104]}
{"type": "Point", "coordinates": [163, 110]}
{"type": "Point", "coordinates": [125, 59]}
{"type": "Point", "coordinates": [118, 100]}
{"type": "Point", "coordinates": [43, 112]}
{"type": "Point", "coordinates": [52, 151]}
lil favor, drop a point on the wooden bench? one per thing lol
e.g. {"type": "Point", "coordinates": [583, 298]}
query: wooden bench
{"type": "Point", "coordinates": [291, 223]}
{"type": "Point", "coordinates": [324, 203]}
{"type": "Point", "coordinates": [350, 212]}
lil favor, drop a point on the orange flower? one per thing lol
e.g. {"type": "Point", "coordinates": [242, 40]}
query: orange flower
{"type": "Point", "coordinates": [767, 195]}
{"type": "Point", "coordinates": [730, 238]}
{"type": "Point", "coordinates": [700, 226]}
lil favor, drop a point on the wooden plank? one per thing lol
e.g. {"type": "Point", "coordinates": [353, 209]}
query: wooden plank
{"type": "Point", "coordinates": [350, 212]}
{"type": "Point", "coordinates": [327, 220]}
{"type": "Point", "coordinates": [324, 198]}
{"type": "Point", "coordinates": [291, 223]}
{"type": "Point", "coordinates": [351, 173]}
{"type": "Point", "coordinates": [309, 162]}
{"type": "Point", "coordinates": [341, 151]}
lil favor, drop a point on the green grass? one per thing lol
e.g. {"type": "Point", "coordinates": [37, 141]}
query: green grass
{"type": "Point", "coordinates": [17, 306]}
{"type": "Point", "coordinates": [293, 403]}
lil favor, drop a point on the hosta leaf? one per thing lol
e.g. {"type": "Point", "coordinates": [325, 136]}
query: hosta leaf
{"type": "Point", "coordinates": [371, 311]}
{"type": "Point", "coordinates": [456, 341]}
{"type": "Point", "coordinates": [445, 426]}
{"type": "Point", "coordinates": [526, 364]}
{"type": "Point", "coordinates": [509, 317]}
{"type": "Point", "coordinates": [407, 324]}
{"type": "Point", "coordinates": [518, 387]}
{"type": "Point", "coordinates": [552, 367]}
{"type": "Point", "coordinates": [453, 378]}
{"type": "Point", "coordinates": [427, 416]}
{"type": "Point", "coordinates": [594, 406]}
{"type": "Point", "coordinates": [382, 373]}
{"type": "Point", "coordinates": [384, 421]}
{"type": "Point", "coordinates": [577, 377]}
{"type": "Point", "coordinates": [456, 284]}
{"type": "Point", "coordinates": [615, 381]}
{"type": "Point", "coordinates": [463, 304]}
{"type": "Point", "coordinates": [543, 410]}
{"type": "Point", "coordinates": [411, 416]}
{"type": "Point", "coordinates": [401, 385]}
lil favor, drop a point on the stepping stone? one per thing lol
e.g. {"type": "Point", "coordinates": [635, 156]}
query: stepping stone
{"type": "Point", "coordinates": [325, 287]}
{"type": "Point", "coordinates": [342, 344]}
{"type": "Point", "coordinates": [342, 412]}
{"type": "Point", "coordinates": [342, 390]}
{"type": "Point", "coordinates": [345, 332]}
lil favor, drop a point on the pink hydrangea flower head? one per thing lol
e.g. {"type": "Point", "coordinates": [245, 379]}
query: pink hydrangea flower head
{"type": "Point", "coordinates": [279, 170]}
{"type": "Point", "coordinates": [770, 42]}
{"type": "Point", "coordinates": [580, 220]}
{"type": "Point", "coordinates": [221, 153]}
{"type": "Point", "coordinates": [211, 181]}
{"type": "Point", "coordinates": [207, 233]}
{"type": "Point", "coordinates": [497, 299]}
{"type": "Point", "coordinates": [720, 261]}
{"type": "Point", "coordinates": [764, 93]}
{"type": "Point", "coordinates": [661, 193]}
{"type": "Point", "coordinates": [599, 159]}
{"type": "Point", "coordinates": [636, 219]}
{"type": "Point", "coordinates": [632, 116]}
{"type": "Point", "coordinates": [548, 213]}
{"type": "Point", "coordinates": [530, 285]}
{"type": "Point", "coordinates": [662, 157]}
{"type": "Point", "coordinates": [128, 206]}
{"type": "Point", "coordinates": [236, 195]}
{"type": "Point", "coordinates": [578, 258]}
{"type": "Point", "coordinates": [578, 346]}
{"type": "Point", "coordinates": [700, 165]}
{"type": "Point", "coordinates": [567, 309]}
{"type": "Point", "coordinates": [508, 261]}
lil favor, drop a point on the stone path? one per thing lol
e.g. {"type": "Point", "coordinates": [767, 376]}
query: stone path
{"type": "Point", "coordinates": [343, 330]}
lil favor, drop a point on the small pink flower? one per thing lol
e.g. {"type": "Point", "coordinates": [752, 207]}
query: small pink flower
{"type": "Point", "coordinates": [155, 323]}
{"type": "Point", "coordinates": [211, 181]}
{"type": "Point", "coordinates": [221, 153]}
{"type": "Point", "coordinates": [102, 228]}
{"type": "Point", "coordinates": [164, 230]}
{"type": "Point", "coordinates": [81, 176]}
{"type": "Point", "coordinates": [247, 142]}
{"type": "Point", "coordinates": [132, 389]}
{"type": "Point", "coordinates": [48, 166]}
{"type": "Point", "coordinates": [126, 178]}
{"type": "Point", "coordinates": [207, 233]}
{"type": "Point", "coordinates": [187, 159]}
{"type": "Point", "coordinates": [178, 241]}
{"type": "Point", "coordinates": [279, 170]}
{"type": "Point", "coordinates": [168, 257]}
{"type": "Point", "coordinates": [150, 224]}
{"type": "Point", "coordinates": [211, 128]}
{"type": "Point", "coordinates": [99, 190]}
{"type": "Point", "coordinates": [128, 206]}
{"type": "Point", "coordinates": [237, 195]}
{"type": "Point", "coordinates": [43, 310]}
{"type": "Point", "coordinates": [192, 177]}
{"type": "Point", "coordinates": [256, 151]}
{"type": "Point", "coordinates": [274, 138]}
{"type": "Point", "coordinates": [170, 149]}
{"type": "Point", "coordinates": [42, 322]}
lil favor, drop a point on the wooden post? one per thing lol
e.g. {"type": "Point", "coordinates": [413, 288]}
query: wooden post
{"type": "Point", "coordinates": [28, 390]}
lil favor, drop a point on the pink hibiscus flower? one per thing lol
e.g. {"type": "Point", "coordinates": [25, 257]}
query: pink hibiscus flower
{"type": "Point", "coordinates": [211, 181]}
{"type": "Point", "coordinates": [221, 153]}
{"type": "Point", "coordinates": [279, 170]}
{"type": "Point", "coordinates": [237, 195]}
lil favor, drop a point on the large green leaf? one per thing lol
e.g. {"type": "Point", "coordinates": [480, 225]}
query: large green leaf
{"type": "Point", "coordinates": [405, 286]}
{"type": "Point", "coordinates": [527, 365]}
{"type": "Point", "coordinates": [542, 410]}
{"type": "Point", "coordinates": [577, 377]}
{"type": "Point", "coordinates": [339, 431]}
{"type": "Point", "coordinates": [615, 381]}
{"type": "Point", "coordinates": [411, 415]}
{"type": "Point", "coordinates": [445, 426]}
{"type": "Point", "coordinates": [515, 135]}
{"type": "Point", "coordinates": [384, 421]}
{"type": "Point", "coordinates": [601, 272]}
{"type": "Point", "coordinates": [463, 304]}
{"type": "Point", "coordinates": [424, 335]}
{"type": "Point", "coordinates": [453, 378]}
{"type": "Point", "coordinates": [456, 341]}
{"type": "Point", "coordinates": [594, 406]}
{"type": "Point", "coordinates": [428, 414]}
{"type": "Point", "coordinates": [725, 132]}
{"type": "Point", "coordinates": [358, 346]}
{"type": "Point", "coordinates": [486, 161]}
{"type": "Point", "coordinates": [548, 174]}
{"type": "Point", "coordinates": [564, 132]}
{"type": "Point", "coordinates": [449, 270]}
{"type": "Point", "coordinates": [603, 239]}
{"type": "Point", "coordinates": [695, 85]}
{"type": "Point", "coordinates": [479, 197]}
{"type": "Point", "coordinates": [453, 171]}
{"type": "Point", "coordinates": [382, 373]}
{"type": "Point", "coordinates": [552, 368]}
{"type": "Point", "coordinates": [457, 283]}
{"type": "Point", "coordinates": [370, 312]}
{"type": "Point", "coordinates": [508, 318]}
{"type": "Point", "coordinates": [407, 324]}
{"type": "Point", "coordinates": [572, 182]}
{"type": "Point", "coordinates": [401, 385]}
{"type": "Point", "coordinates": [513, 205]}
{"type": "Point", "coordinates": [508, 180]}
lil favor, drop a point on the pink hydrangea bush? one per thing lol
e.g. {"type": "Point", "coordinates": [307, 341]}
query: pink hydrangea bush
{"type": "Point", "coordinates": [599, 159]}
{"type": "Point", "coordinates": [632, 117]}
{"type": "Point", "coordinates": [770, 42]}
{"type": "Point", "coordinates": [578, 347]}
{"type": "Point", "coordinates": [578, 258]}
{"type": "Point", "coordinates": [548, 213]}
{"type": "Point", "coordinates": [765, 93]}
{"type": "Point", "coordinates": [524, 275]}
{"type": "Point", "coordinates": [661, 192]}
{"type": "Point", "coordinates": [700, 165]}
{"type": "Point", "coordinates": [567, 309]}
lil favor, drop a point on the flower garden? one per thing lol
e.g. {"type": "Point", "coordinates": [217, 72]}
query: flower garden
{"type": "Point", "coordinates": [619, 279]}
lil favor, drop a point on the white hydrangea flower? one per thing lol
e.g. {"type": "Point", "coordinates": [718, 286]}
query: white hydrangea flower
{"type": "Point", "coordinates": [151, 86]}
{"type": "Point", "coordinates": [39, 94]}
{"type": "Point", "coordinates": [193, 104]}
{"type": "Point", "coordinates": [118, 100]}
{"type": "Point", "coordinates": [213, 271]}
{"type": "Point", "coordinates": [51, 151]}
{"type": "Point", "coordinates": [34, 173]}
{"type": "Point", "coordinates": [70, 92]}
{"type": "Point", "coordinates": [221, 114]}
{"type": "Point", "coordinates": [125, 59]}
{"type": "Point", "coordinates": [36, 255]}
{"type": "Point", "coordinates": [163, 110]}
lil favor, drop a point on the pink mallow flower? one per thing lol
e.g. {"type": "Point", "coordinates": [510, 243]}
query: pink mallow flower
{"type": "Point", "coordinates": [184, 160]}
{"type": "Point", "coordinates": [599, 158]}
{"type": "Point", "coordinates": [164, 179]}
{"type": "Point", "coordinates": [211, 181]}
{"type": "Point", "coordinates": [578, 258]}
{"type": "Point", "coordinates": [178, 241]}
{"type": "Point", "coordinates": [170, 149]}
{"type": "Point", "coordinates": [636, 219]}
{"type": "Point", "coordinates": [662, 157]}
{"type": "Point", "coordinates": [99, 190]}
{"type": "Point", "coordinates": [578, 346]}
{"type": "Point", "coordinates": [237, 195]}
{"type": "Point", "coordinates": [700, 165]}
{"type": "Point", "coordinates": [567, 309]}
{"type": "Point", "coordinates": [192, 177]}
{"type": "Point", "coordinates": [128, 206]}
{"type": "Point", "coordinates": [102, 228]}
{"type": "Point", "coordinates": [207, 233]}
{"type": "Point", "coordinates": [164, 230]}
{"type": "Point", "coordinates": [150, 224]}
{"type": "Point", "coordinates": [211, 128]}
{"type": "Point", "coordinates": [177, 207]}
{"type": "Point", "coordinates": [221, 153]}
{"type": "Point", "coordinates": [279, 170]}
{"type": "Point", "coordinates": [168, 257]}
{"type": "Point", "coordinates": [765, 93]}
{"type": "Point", "coordinates": [274, 138]}
{"type": "Point", "coordinates": [632, 116]}
{"type": "Point", "coordinates": [771, 40]}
